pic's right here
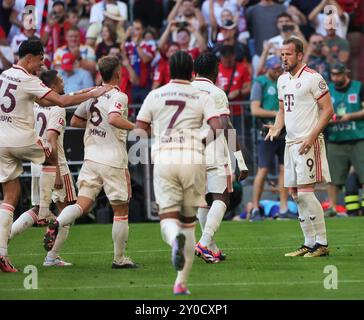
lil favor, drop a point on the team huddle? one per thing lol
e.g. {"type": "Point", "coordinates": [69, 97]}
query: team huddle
{"type": "Point", "coordinates": [193, 170]}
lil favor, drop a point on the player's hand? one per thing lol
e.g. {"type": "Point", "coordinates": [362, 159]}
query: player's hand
{"type": "Point", "coordinates": [243, 175]}
{"type": "Point", "coordinates": [84, 90]}
{"type": "Point", "coordinates": [58, 184]}
{"type": "Point", "coordinates": [272, 133]}
{"type": "Point", "coordinates": [306, 145]}
{"type": "Point", "coordinates": [344, 118]}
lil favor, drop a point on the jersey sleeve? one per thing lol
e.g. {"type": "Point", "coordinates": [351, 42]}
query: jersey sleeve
{"type": "Point", "coordinates": [81, 111]}
{"type": "Point", "coordinates": [222, 103]}
{"type": "Point", "coordinates": [319, 86]}
{"type": "Point", "coordinates": [36, 87]}
{"type": "Point", "coordinates": [57, 120]}
{"type": "Point", "coordinates": [119, 104]}
{"type": "Point", "coordinates": [279, 89]}
{"type": "Point", "coordinates": [209, 109]}
{"type": "Point", "coordinates": [145, 112]}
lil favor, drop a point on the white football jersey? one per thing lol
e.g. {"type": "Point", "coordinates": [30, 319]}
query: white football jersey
{"type": "Point", "coordinates": [52, 119]}
{"type": "Point", "coordinates": [18, 91]}
{"type": "Point", "coordinates": [176, 112]}
{"type": "Point", "coordinates": [217, 152]}
{"type": "Point", "coordinates": [300, 94]}
{"type": "Point", "coordinates": [105, 143]}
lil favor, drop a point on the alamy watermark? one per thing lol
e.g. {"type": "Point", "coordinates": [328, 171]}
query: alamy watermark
{"type": "Point", "coordinates": [331, 281]}
{"type": "Point", "coordinates": [31, 280]}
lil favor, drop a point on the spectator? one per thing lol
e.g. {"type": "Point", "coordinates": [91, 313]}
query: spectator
{"type": "Point", "coordinates": [319, 18]}
{"type": "Point", "coordinates": [108, 41]}
{"type": "Point", "coordinates": [113, 19]}
{"type": "Point", "coordinates": [6, 7]}
{"type": "Point", "coordinates": [219, 6]}
{"type": "Point", "coordinates": [234, 79]}
{"type": "Point", "coordinates": [140, 55]}
{"type": "Point", "coordinates": [264, 107]}
{"type": "Point", "coordinates": [346, 132]}
{"type": "Point", "coordinates": [287, 28]}
{"type": "Point", "coordinates": [227, 19]}
{"type": "Point", "coordinates": [228, 37]}
{"type": "Point", "coordinates": [74, 78]}
{"type": "Point", "coordinates": [6, 56]}
{"type": "Point", "coordinates": [97, 10]}
{"type": "Point", "coordinates": [262, 22]}
{"type": "Point", "coordinates": [53, 35]}
{"type": "Point", "coordinates": [315, 56]}
{"type": "Point", "coordinates": [128, 77]}
{"type": "Point", "coordinates": [300, 10]}
{"type": "Point", "coordinates": [84, 54]}
{"type": "Point", "coordinates": [339, 47]}
{"type": "Point", "coordinates": [185, 13]}
{"type": "Point", "coordinates": [161, 73]}
{"type": "Point", "coordinates": [183, 38]}
{"type": "Point", "coordinates": [150, 12]}
{"type": "Point", "coordinates": [73, 17]}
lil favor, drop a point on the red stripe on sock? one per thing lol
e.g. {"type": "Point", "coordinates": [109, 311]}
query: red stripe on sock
{"type": "Point", "coordinates": [306, 190]}
{"type": "Point", "coordinates": [188, 225]}
{"type": "Point", "coordinates": [6, 206]}
{"type": "Point", "coordinates": [33, 215]}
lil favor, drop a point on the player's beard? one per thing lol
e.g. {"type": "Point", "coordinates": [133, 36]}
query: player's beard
{"type": "Point", "coordinates": [290, 68]}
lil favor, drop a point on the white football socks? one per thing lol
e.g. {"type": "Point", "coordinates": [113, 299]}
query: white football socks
{"type": "Point", "coordinates": [214, 218]}
{"type": "Point", "coordinates": [202, 216]}
{"type": "Point", "coordinates": [120, 234]}
{"type": "Point", "coordinates": [311, 217]}
{"type": "Point", "coordinates": [169, 230]}
{"type": "Point", "coordinates": [46, 186]}
{"type": "Point", "coordinates": [25, 221]}
{"type": "Point", "coordinates": [69, 215]}
{"type": "Point", "coordinates": [6, 220]}
{"type": "Point", "coordinates": [60, 240]}
{"type": "Point", "coordinates": [189, 252]}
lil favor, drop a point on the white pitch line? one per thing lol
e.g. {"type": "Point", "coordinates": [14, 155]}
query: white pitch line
{"type": "Point", "coordinates": [168, 250]}
{"type": "Point", "coordinates": [236, 284]}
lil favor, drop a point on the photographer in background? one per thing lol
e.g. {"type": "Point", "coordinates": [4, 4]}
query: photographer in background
{"type": "Point", "coordinates": [184, 31]}
{"type": "Point", "coordinates": [316, 56]}
{"type": "Point", "coordinates": [53, 34]}
{"type": "Point", "coordinates": [287, 28]}
{"type": "Point", "coordinates": [264, 107]}
{"type": "Point", "coordinates": [187, 13]}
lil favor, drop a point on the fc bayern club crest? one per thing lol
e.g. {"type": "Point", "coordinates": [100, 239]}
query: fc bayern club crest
{"type": "Point", "coordinates": [298, 85]}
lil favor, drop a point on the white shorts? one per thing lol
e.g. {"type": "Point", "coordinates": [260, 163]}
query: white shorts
{"type": "Point", "coordinates": [179, 185]}
{"type": "Point", "coordinates": [11, 159]}
{"type": "Point", "coordinates": [219, 179]}
{"type": "Point", "coordinates": [66, 194]}
{"type": "Point", "coordinates": [95, 176]}
{"type": "Point", "coordinates": [308, 168]}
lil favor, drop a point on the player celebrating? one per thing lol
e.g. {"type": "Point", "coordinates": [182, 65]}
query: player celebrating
{"type": "Point", "coordinates": [50, 126]}
{"type": "Point", "coordinates": [105, 164]}
{"type": "Point", "coordinates": [305, 109]}
{"type": "Point", "coordinates": [218, 162]}
{"type": "Point", "coordinates": [19, 88]}
{"type": "Point", "coordinates": [176, 113]}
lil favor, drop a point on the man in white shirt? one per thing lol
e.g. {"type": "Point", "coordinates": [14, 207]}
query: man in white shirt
{"type": "Point", "coordinates": [97, 10]}
{"type": "Point", "coordinates": [19, 88]}
{"type": "Point", "coordinates": [305, 109]}
{"type": "Point", "coordinates": [218, 162]}
{"type": "Point", "coordinates": [175, 112]}
{"type": "Point", "coordinates": [106, 162]}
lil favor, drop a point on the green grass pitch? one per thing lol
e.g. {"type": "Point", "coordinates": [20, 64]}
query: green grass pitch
{"type": "Point", "coordinates": [255, 267]}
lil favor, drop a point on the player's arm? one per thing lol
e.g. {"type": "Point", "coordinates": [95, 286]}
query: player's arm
{"type": "Point", "coordinates": [54, 99]}
{"type": "Point", "coordinates": [258, 111]}
{"type": "Point", "coordinates": [275, 130]}
{"type": "Point", "coordinates": [326, 113]}
{"type": "Point", "coordinates": [52, 138]}
{"type": "Point", "coordinates": [230, 131]}
{"type": "Point", "coordinates": [143, 126]}
{"type": "Point", "coordinates": [78, 122]}
{"type": "Point", "coordinates": [117, 120]}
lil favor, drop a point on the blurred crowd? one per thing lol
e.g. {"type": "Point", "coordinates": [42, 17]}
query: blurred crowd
{"type": "Point", "coordinates": [244, 34]}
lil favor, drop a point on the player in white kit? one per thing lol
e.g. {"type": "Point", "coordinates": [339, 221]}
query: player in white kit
{"type": "Point", "coordinates": [105, 163]}
{"type": "Point", "coordinates": [218, 162]}
{"type": "Point", "coordinates": [176, 112]}
{"type": "Point", "coordinates": [50, 124]}
{"type": "Point", "coordinates": [305, 108]}
{"type": "Point", "coordinates": [19, 88]}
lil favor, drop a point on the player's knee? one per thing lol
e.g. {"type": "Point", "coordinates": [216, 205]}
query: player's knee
{"type": "Point", "coordinates": [169, 213]}
{"type": "Point", "coordinates": [120, 207]}
{"type": "Point", "coordinates": [188, 213]}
